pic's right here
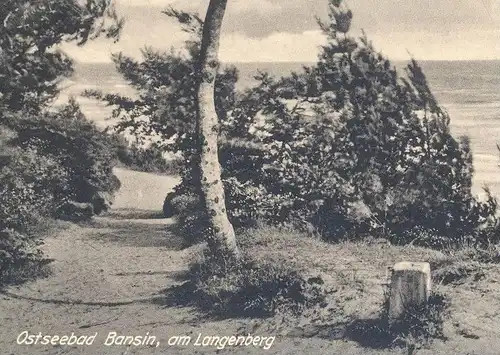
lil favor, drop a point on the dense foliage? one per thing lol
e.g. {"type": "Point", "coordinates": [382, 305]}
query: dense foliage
{"type": "Point", "coordinates": [82, 151]}
{"type": "Point", "coordinates": [147, 158]}
{"type": "Point", "coordinates": [48, 159]}
{"type": "Point", "coordinates": [347, 147]}
{"type": "Point", "coordinates": [30, 67]}
{"type": "Point", "coordinates": [343, 148]}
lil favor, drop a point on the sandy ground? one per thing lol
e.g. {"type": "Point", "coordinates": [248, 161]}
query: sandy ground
{"type": "Point", "coordinates": [110, 276]}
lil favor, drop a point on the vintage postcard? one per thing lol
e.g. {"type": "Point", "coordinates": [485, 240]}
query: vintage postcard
{"type": "Point", "coordinates": [249, 176]}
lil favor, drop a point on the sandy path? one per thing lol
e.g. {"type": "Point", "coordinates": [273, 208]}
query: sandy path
{"type": "Point", "coordinates": [110, 276]}
{"type": "Point", "coordinates": [106, 276]}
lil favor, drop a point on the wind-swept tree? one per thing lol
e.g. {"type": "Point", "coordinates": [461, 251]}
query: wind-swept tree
{"type": "Point", "coordinates": [30, 31]}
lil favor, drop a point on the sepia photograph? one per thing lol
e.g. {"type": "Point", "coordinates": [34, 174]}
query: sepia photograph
{"type": "Point", "coordinates": [249, 176]}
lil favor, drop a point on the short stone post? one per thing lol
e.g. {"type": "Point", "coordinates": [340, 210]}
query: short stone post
{"type": "Point", "coordinates": [410, 285]}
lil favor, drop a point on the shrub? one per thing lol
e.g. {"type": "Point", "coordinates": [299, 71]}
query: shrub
{"type": "Point", "coordinates": [169, 210]}
{"type": "Point", "coordinates": [347, 146]}
{"type": "Point", "coordinates": [83, 153]}
{"type": "Point", "coordinates": [48, 162]}
{"type": "Point", "coordinates": [248, 289]}
{"type": "Point", "coordinates": [421, 324]}
{"type": "Point", "coordinates": [191, 218]}
{"type": "Point", "coordinates": [367, 158]}
{"type": "Point", "coordinates": [25, 195]}
{"type": "Point", "coordinates": [417, 327]}
{"type": "Point", "coordinates": [29, 185]}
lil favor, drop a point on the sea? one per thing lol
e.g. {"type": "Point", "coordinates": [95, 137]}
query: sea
{"type": "Point", "coordinates": [468, 90]}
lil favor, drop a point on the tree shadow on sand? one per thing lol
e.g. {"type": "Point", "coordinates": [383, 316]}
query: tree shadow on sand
{"type": "Point", "coordinates": [141, 233]}
{"type": "Point", "coordinates": [368, 333]}
{"type": "Point", "coordinates": [133, 214]}
{"type": "Point", "coordinates": [115, 303]}
{"type": "Point", "coordinates": [371, 333]}
{"type": "Point", "coordinates": [419, 325]}
{"type": "Point", "coordinates": [182, 294]}
{"type": "Point", "coordinates": [145, 300]}
{"type": "Point", "coordinates": [185, 295]}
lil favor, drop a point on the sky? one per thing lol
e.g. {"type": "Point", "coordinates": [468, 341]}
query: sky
{"type": "Point", "coordinates": [286, 30]}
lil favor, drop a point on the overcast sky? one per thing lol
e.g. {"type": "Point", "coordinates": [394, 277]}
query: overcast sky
{"type": "Point", "coordinates": [286, 30]}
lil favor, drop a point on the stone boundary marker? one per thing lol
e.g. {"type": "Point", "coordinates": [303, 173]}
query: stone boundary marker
{"type": "Point", "coordinates": [410, 285]}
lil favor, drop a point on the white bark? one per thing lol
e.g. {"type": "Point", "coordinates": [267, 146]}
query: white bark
{"type": "Point", "coordinates": [221, 234]}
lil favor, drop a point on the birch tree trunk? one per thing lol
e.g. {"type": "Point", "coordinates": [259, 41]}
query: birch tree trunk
{"type": "Point", "coordinates": [221, 237]}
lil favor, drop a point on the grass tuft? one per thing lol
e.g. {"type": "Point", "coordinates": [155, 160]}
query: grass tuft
{"type": "Point", "coordinates": [247, 288]}
{"type": "Point", "coordinates": [419, 326]}
{"type": "Point", "coordinates": [27, 270]}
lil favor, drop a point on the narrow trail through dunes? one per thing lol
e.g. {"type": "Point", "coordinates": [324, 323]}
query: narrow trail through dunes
{"type": "Point", "coordinates": [110, 275]}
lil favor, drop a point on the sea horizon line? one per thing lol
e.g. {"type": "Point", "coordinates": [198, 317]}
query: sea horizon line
{"type": "Point", "coordinates": [312, 62]}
